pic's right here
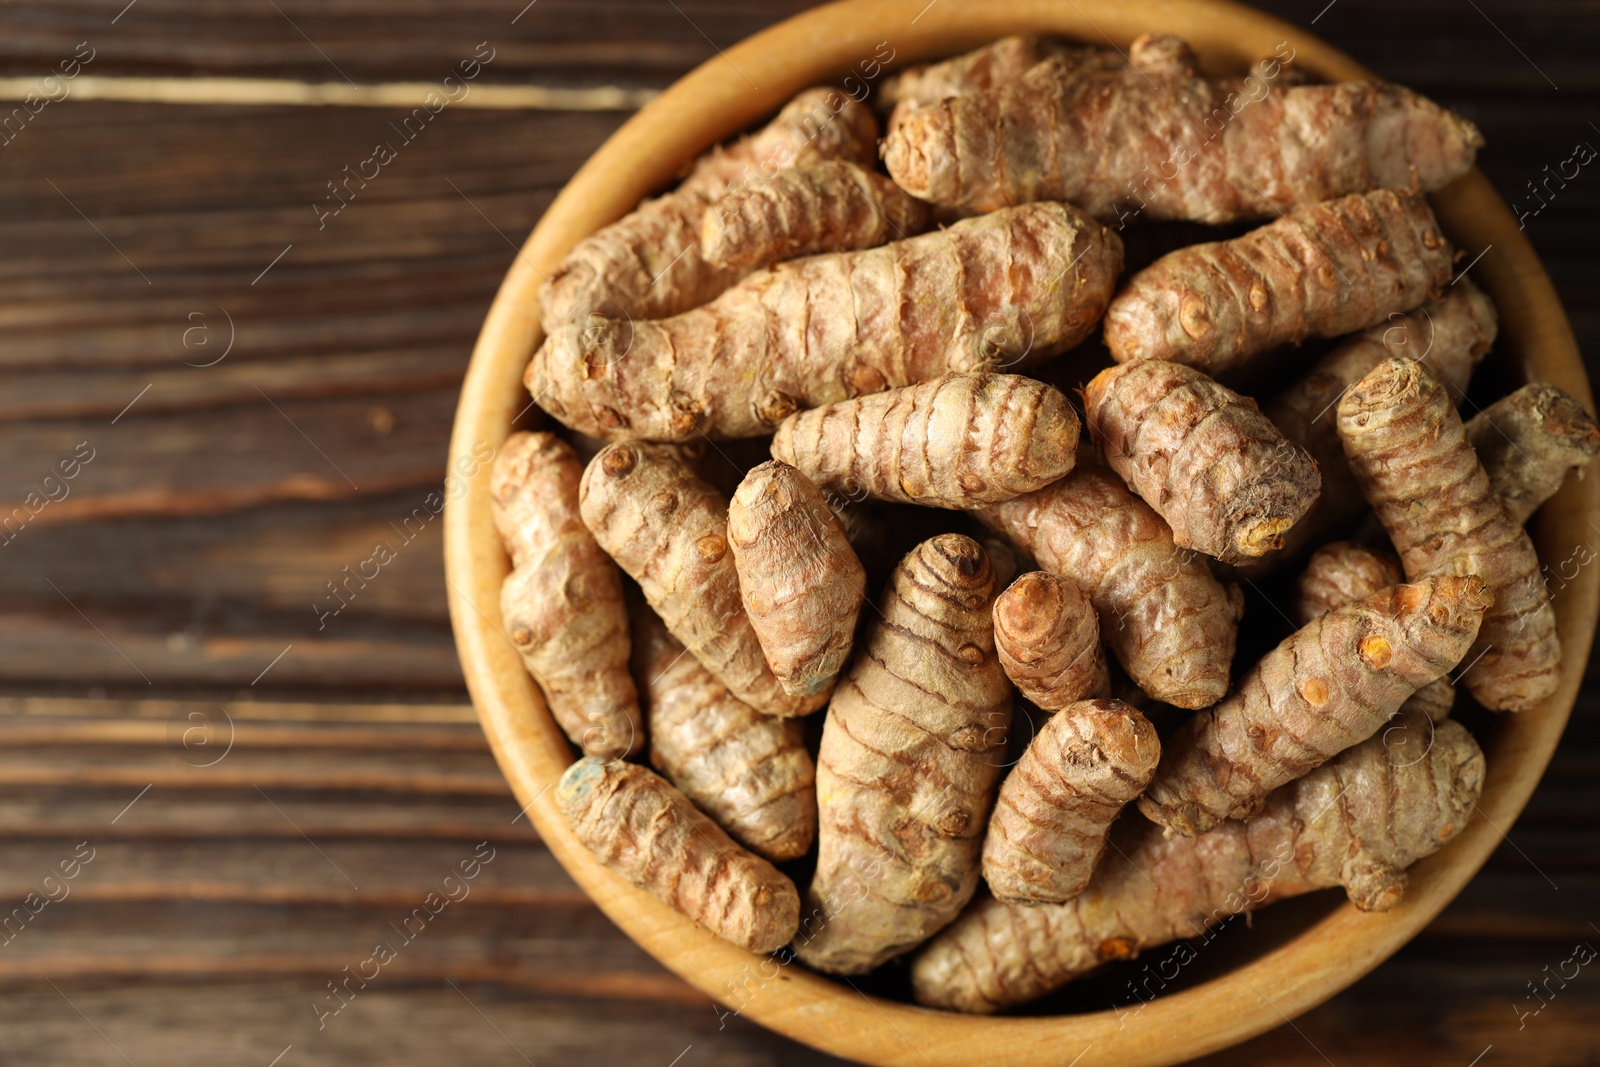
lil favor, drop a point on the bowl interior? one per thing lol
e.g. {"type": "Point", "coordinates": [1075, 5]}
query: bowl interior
{"type": "Point", "coordinates": [1320, 946]}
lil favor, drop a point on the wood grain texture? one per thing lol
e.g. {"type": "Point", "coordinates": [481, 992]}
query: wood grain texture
{"type": "Point", "coordinates": [376, 313]}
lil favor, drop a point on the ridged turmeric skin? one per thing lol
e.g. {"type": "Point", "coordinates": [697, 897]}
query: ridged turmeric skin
{"type": "Point", "coordinates": [669, 531]}
{"type": "Point", "coordinates": [961, 441]}
{"type": "Point", "coordinates": [1409, 452]}
{"type": "Point", "coordinates": [1222, 476]}
{"type": "Point", "coordinates": [1153, 137]}
{"type": "Point", "coordinates": [562, 602]}
{"type": "Point", "coordinates": [1167, 620]}
{"type": "Point", "coordinates": [1328, 686]}
{"type": "Point", "coordinates": [1049, 826]}
{"type": "Point", "coordinates": [642, 828]}
{"type": "Point", "coordinates": [1356, 821]}
{"type": "Point", "coordinates": [799, 580]}
{"type": "Point", "coordinates": [1007, 289]}
{"type": "Point", "coordinates": [911, 754]}
{"type": "Point", "coordinates": [749, 772]}
{"type": "Point", "coordinates": [1047, 636]}
{"type": "Point", "coordinates": [1323, 270]}
{"type": "Point", "coordinates": [1529, 441]}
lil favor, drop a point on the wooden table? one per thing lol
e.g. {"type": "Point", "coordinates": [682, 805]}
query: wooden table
{"type": "Point", "coordinates": [248, 791]}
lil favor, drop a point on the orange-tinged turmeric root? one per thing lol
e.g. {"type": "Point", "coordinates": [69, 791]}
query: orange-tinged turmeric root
{"type": "Point", "coordinates": [562, 602]}
{"type": "Point", "coordinates": [800, 581]}
{"type": "Point", "coordinates": [1048, 639]}
{"type": "Point", "coordinates": [1170, 624]}
{"type": "Point", "coordinates": [642, 828]}
{"type": "Point", "coordinates": [1328, 686]}
{"type": "Point", "coordinates": [1357, 821]}
{"type": "Point", "coordinates": [834, 206]}
{"type": "Point", "coordinates": [960, 441]}
{"type": "Point", "coordinates": [1156, 137]}
{"type": "Point", "coordinates": [669, 531]}
{"type": "Point", "coordinates": [648, 265]}
{"type": "Point", "coordinates": [989, 67]}
{"type": "Point", "coordinates": [1008, 288]}
{"type": "Point", "coordinates": [1322, 270]}
{"type": "Point", "coordinates": [1528, 441]}
{"type": "Point", "coordinates": [1224, 478]}
{"type": "Point", "coordinates": [1409, 452]}
{"type": "Point", "coordinates": [911, 754]}
{"type": "Point", "coordinates": [748, 771]}
{"type": "Point", "coordinates": [1048, 830]}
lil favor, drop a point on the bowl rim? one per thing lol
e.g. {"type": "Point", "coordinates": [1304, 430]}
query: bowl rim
{"type": "Point", "coordinates": [714, 101]}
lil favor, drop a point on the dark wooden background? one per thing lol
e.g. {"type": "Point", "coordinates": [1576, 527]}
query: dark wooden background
{"type": "Point", "coordinates": [162, 611]}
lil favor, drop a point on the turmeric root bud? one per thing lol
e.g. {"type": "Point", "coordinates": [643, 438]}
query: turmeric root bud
{"type": "Point", "coordinates": [1225, 479]}
{"type": "Point", "coordinates": [642, 828]}
{"type": "Point", "coordinates": [1328, 686]}
{"type": "Point", "coordinates": [1409, 451]}
{"type": "Point", "coordinates": [1048, 640]}
{"type": "Point", "coordinates": [1357, 821]}
{"type": "Point", "coordinates": [1322, 270]}
{"type": "Point", "coordinates": [799, 579]}
{"type": "Point", "coordinates": [802, 211]}
{"type": "Point", "coordinates": [1049, 826]}
{"type": "Point", "coordinates": [562, 602]}
{"type": "Point", "coordinates": [960, 441]}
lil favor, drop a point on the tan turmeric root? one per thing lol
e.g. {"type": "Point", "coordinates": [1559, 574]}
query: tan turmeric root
{"type": "Point", "coordinates": [637, 824]}
{"type": "Point", "coordinates": [1012, 287]}
{"type": "Point", "coordinates": [1410, 454]}
{"type": "Point", "coordinates": [1323, 270]}
{"type": "Point", "coordinates": [1169, 623]}
{"type": "Point", "coordinates": [648, 265]}
{"type": "Point", "coordinates": [669, 531]}
{"type": "Point", "coordinates": [799, 579]}
{"type": "Point", "coordinates": [1156, 137]}
{"type": "Point", "coordinates": [960, 441]}
{"type": "Point", "coordinates": [562, 601]}
{"type": "Point", "coordinates": [1049, 825]}
{"type": "Point", "coordinates": [1227, 482]}
{"type": "Point", "coordinates": [1328, 686]}
{"type": "Point", "coordinates": [1357, 821]}
{"type": "Point", "coordinates": [1343, 572]}
{"type": "Point", "coordinates": [1451, 335]}
{"type": "Point", "coordinates": [833, 206]}
{"type": "Point", "coordinates": [1528, 441]}
{"type": "Point", "coordinates": [1048, 640]}
{"type": "Point", "coordinates": [911, 753]}
{"type": "Point", "coordinates": [750, 772]}
{"type": "Point", "coordinates": [995, 64]}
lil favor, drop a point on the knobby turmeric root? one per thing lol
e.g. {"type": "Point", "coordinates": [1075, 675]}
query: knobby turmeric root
{"type": "Point", "coordinates": [995, 64]}
{"type": "Point", "coordinates": [1048, 640]}
{"type": "Point", "coordinates": [750, 772]}
{"type": "Point", "coordinates": [1328, 686]}
{"type": "Point", "coordinates": [1049, 826]}
{"type": "Point", "coordinates": [1227, 482]}
{"type": "Point", "coordinates": [1357, 821]}
{"type": "Point", "coordinates": [1528, 441]}
{"type": "Point", "coordinates": [1155, 137]}
{"type": "Point", "coordinates": [642, 828]}
{"type": "Point", "coordinates": [1169, 623]}
{"type": "Point", "coordinates": [911, 753]}
{"type": "Point", "coordinates": [961, 441]}
{"type": "Point", "coordinates": [1323, 270]}
{"type": "Point", "coordinates": [562, 602]}
{"type": "Point", "coordinates": [1344, 572]}
{"type": "Point", "coordinates": [1008, 288]}
{"type": "Point", "coordinates": [799, 579]}
{"type": "Point", "coordinates": [1410, 454]}
{"type": "Point", "coordinates": [834, 206]}
{"type": "Point", "coordinates": [1451, 335]}
{"type": "Point", "coordinates": [669, 531]}
{"type": "Point", "coordinates": [647, 265]}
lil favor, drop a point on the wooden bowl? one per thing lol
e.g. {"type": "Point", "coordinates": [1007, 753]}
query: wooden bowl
{"type": "Point", "coordinates": [731, 92]}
